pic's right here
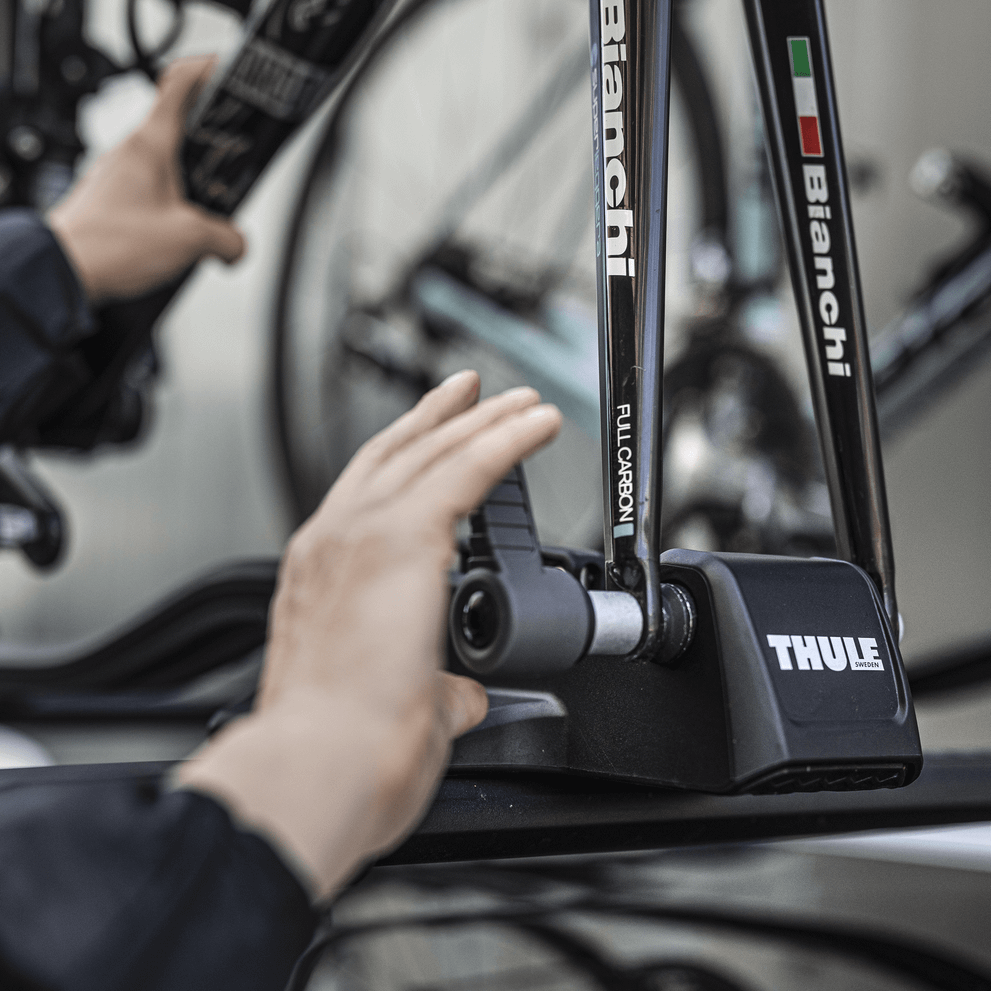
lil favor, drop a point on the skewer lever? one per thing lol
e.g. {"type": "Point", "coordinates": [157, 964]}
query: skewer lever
{"type": "Point", "coordinates": [514, 614]}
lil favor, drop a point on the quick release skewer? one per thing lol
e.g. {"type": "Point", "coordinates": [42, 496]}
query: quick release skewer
{"type": "Point", "coordinates": [513, 613]}
{"type": "Point", "coordinates": [548, 622]}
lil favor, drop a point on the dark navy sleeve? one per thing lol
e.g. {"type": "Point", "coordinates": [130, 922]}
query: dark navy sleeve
{"type": "Point", "coordinates": [44, 314]}
{"type": "Point", "coordinates": [114, 885]}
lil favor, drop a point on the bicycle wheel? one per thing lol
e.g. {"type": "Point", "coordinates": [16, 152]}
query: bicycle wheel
{"type": "Point", "coordinates": [459, 162]}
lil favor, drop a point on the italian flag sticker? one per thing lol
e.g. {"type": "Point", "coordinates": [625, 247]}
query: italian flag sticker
{"type": "Point", "coordinates": [806, 105]}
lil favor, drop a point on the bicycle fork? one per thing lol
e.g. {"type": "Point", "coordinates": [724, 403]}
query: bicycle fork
{"type": "Point", "coordinates": [714, 671]}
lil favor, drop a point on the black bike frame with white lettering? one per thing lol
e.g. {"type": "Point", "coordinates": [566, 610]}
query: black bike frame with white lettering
{"type": "Point", "coordinates": [630, 85]}
{"type": "Point", "coordinates": [795, 76]}
{"type": "Point", "coordinates": [631, 69]}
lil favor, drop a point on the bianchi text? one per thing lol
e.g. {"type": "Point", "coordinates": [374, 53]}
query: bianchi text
{"type": "Point", "coordinates": [833, 336]}
{"type": "Point", "coordinates": [619, 222]}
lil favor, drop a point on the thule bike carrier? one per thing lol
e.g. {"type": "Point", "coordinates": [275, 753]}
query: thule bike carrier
{"type": "Point", "coordinates": [716, 672]}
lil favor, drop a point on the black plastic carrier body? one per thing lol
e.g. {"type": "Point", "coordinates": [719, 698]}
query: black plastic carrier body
{"type": "Point", "coordinates": [792, 682]}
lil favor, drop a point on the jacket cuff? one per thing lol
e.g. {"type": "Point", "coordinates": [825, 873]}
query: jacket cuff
{"type": "Point", "coordinates": [38, 287]}
{"type": "Point", "coordinates": [44, 314]}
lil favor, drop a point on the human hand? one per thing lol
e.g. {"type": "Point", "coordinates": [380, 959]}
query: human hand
{"type": "Point", "coordinates": [126, 226]}
{"type": "Point", "coordinates": [354, 719]}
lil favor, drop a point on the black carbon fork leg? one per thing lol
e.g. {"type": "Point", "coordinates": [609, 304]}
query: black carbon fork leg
{"type": "Point", "coordinates": [630, 55]}
{"type": "Point", "coordinates": [795, 77]}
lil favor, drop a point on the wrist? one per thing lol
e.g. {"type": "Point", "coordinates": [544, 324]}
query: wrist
{"type": "Point", "coordinates": [76, 251]}
{"type": "Point", "coordinates": [302, 777]}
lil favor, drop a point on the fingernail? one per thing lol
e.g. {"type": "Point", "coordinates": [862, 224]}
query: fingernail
{"type": "Point", "coordinates": [457, 376]}
{"type": "Point", "coordinates": [540, 412]}
{"type": "Point", "coordinates": [520, 390]}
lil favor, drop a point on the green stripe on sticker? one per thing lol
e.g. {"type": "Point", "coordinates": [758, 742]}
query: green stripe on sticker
{"type": "Point", "coordinates": [800, 64]}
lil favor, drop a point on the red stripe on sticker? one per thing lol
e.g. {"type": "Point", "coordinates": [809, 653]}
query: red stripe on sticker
{"type": "Point", "coordinates": [811, 142]}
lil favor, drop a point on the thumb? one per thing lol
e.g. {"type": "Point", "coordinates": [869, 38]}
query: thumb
{"type": "Point", "coordinates": [218, 237]}
{"type": "Point", "coordinates": [463, 703]}
{"type": "Point", "coordinates": [178, 88]}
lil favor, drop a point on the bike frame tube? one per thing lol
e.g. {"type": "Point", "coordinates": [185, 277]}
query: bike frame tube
{"type": "Point", "coordinates": [630, 54]}
{"type": "Point", "coordinates": [795, 77]}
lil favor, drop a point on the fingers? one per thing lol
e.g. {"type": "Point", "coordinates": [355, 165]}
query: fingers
{"type": "Point", "coordinates": [178, 88]}
{"type": "Point", "coordinates": [454, 395]}
{"type": "Point", "coordinates": [219, 237]}
{"type": "Point", "coordinates": [420, 453]}
{"type": "Point", "coordinates": [457, 483]}
{"type": "Point", "coordinates": [462, 702]}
